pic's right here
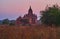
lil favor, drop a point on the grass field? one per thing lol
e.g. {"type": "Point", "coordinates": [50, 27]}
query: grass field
{"type": "Point", "coordinates": [29, 32]}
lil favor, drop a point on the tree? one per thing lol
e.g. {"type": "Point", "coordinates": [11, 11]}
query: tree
{"type": "Point", "coordinates": [24, 21]}
{"type": "Point", "coordinates": [51, 15]}
{"type": "Point", "coordinates": [12, 22]}
{"type": "Point", "coordinates": [5, 21]}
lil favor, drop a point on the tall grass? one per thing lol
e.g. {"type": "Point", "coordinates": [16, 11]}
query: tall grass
{"type": "Point", "coordinates": [29, 32]}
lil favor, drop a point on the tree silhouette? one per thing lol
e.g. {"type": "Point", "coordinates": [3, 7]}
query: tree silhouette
{"type": "Point", "coordinates": [24, 21]}
{"type": "Point", "coordinates": [51, 15]}
{"type": "Point", "coordinates": [5, 21]}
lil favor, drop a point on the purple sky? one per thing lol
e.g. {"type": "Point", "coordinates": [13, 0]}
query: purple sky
{"type": "Point", "coordinates": [12, 9]}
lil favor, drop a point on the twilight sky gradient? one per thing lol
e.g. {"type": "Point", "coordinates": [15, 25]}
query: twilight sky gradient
{"type": "Point", "coordinates": [12, 9]}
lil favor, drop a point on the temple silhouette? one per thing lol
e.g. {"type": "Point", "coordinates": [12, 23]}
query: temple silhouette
{"type": "Point", "coordinates": [29, 18]}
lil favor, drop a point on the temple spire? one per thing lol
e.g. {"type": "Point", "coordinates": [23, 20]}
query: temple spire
{"type": "Point", "coordinates": [30, 11]}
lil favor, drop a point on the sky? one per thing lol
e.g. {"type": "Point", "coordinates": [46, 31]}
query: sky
{"type": "Point", "coordinates": [12, 9]}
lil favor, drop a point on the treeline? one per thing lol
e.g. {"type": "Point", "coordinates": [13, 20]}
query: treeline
{"type": "Point", "coordinates": [7, 22]}
{"type": "Point", "coordinates": [13, 22]}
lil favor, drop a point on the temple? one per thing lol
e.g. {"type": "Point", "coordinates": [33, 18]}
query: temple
{"type": "Point", "coordinates": [29, 18]}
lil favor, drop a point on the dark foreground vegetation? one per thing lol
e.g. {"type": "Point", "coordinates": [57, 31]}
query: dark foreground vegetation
{"type": "Point", "coordinates": [29, 32]}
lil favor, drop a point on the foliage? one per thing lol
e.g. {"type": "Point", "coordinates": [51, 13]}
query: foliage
{"type": "Point", "coordinates": [28, 32]}
{"type": "Point", "coordinates": [5, 21]}
{"type": "Point", "coordinates": [24, 21]}
{"type": "Point", "coordinates": [12, 22]}
{"type": "Point", "coordinates": [51, 15]}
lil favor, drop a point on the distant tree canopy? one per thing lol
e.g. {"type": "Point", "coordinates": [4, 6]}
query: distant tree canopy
{"type": "Point", "coordinates": [12, 22]}
{"type": "Point", "coordinates": [24, 21]}
{"type": "Point", "coordinates": [5, 21]}
{"type": "Point", "coordinates": [51, 15]}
